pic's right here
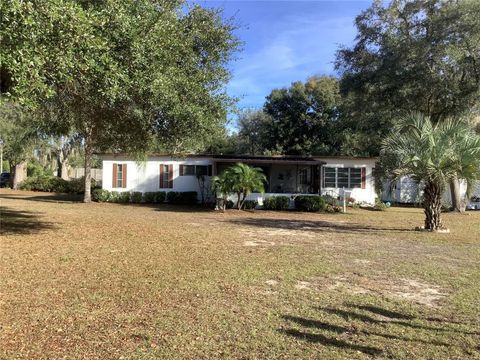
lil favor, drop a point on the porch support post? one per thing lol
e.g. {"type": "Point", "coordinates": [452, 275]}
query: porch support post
{"type": "Point", "coordinates": [296, 180]}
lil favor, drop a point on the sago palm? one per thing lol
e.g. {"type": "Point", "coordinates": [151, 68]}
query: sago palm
{"type": "Point", "coordinates": [432, 155]}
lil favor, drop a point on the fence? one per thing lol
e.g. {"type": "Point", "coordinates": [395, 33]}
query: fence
{"type": "Point", "coordinates": [80, 172]}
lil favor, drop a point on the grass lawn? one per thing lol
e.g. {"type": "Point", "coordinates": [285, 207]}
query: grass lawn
{"type": "Point", "coordinates": [127, 281]}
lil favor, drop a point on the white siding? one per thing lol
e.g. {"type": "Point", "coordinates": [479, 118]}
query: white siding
{"type": "Point", "coordinates": [145, 176]}
{"type": "Point", "coordinates": [366, 195]}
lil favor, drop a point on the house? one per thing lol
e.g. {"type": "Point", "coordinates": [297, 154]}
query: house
{"type": "Point", "coordinates": [407, 191]}
{"type": "Point", "coordinates": [287, 175]}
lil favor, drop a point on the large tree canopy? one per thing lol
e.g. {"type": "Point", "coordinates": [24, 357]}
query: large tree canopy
{"type": "Point", "coordinates": [123, 74]}
{"type": "Point", "coordinates": [303, 116]}
{"type": "Point", "coordinates": [421, 55]}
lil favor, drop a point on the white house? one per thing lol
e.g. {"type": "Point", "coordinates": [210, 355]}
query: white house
{"type": "Point", "coordinates": [287, 175]}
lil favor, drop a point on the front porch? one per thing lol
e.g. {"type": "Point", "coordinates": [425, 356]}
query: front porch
{"type": "Point", "coordinates": [286, 175]}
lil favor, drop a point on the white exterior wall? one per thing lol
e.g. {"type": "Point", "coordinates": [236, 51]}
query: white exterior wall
{"type": "Point", "coordinates": [145, 176]}
{"type": "Point", "coordinates": [407, 191]}
{"type": "Point", "coordinates": [366, 195]}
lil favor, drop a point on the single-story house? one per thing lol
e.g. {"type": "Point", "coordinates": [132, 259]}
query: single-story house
{"type": "Point", "coordinates": [287, 175]}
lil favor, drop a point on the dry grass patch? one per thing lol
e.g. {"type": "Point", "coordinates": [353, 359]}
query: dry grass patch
{"type": "Point", "coordinates": [109, 281]}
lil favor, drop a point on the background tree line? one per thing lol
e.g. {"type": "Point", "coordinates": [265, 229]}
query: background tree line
{"type": "Point", "coordinates": [419, 56]}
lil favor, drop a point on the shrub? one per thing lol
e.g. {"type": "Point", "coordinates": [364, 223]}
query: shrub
{"type": "Point", "coordinates": [45, 183]}
{"type": "Point", "coordinates": [182, 198]}
{"type": "Point", "coordinates": [123, 197]}
{"type": "Point", "coordinates": [77, 186]}
{"type": "Point", "coordinates": [160, 197]}
{"type": "Point", "coordinates": [309, 203]}
{"type": "Point", "coordinates": [380, 206]}
{"type": "Point", "coordinates": [136, 197]}
{"type": "Point", "coordinates": [276, 203]}
{"type": "Point", "coordinates": [328, 199]}
{"type": "Point", "coordinates": [332, 208]}
{"type": "Point", "coordinates": [100, 195]}
{"type": "Point", "coordinates": [250, 204]}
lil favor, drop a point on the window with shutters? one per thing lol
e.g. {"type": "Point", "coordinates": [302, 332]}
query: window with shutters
{"type": "Point", "coordinates": [119, 178]}
{"type": "Point", "coordinates": [349, 178]}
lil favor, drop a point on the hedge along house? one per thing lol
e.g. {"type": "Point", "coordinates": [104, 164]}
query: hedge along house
{"type": "Point", "coordinates": [287, 175]}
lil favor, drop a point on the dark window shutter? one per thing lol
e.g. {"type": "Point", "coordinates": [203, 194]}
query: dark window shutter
{"type": "Point", "coordinates": [209, 171]}
{"type": "Point", "coordinates": [181, 169]}
{"type": "Point", "coordinates": [161, 176]}
{"type": "Point", "coordinates": [124, 175]}
{"type": "Point", "coordinates": [364, 178]}
{"type": "Point", "coordinates": [170, 176]}
{"type": "Point", "coordinates": [114, 176]}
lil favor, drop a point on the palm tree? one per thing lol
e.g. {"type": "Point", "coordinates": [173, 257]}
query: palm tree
{"type": "Point", "coordinates": [245, 179]}
{"type": "Point", "coordinates": [222, 186]}
{"type": "Point", "coordinates": [433, 155]}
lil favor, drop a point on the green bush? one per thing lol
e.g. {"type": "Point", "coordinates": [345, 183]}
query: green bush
{"type": "Point", "coordinates": [333, 208]}
{"type": "Point", "coordinates": [250, 204]}
{"type": "Point", "coordinates": [160, 197]}
{"type": "Point", "coordinates": [123, 197]}
{"type": "Point", "coordinates": [380, 206]}
{"type": "Point", "coordinates": [149, 197]}
{"type": "Point", "coordinates": [35, 169]}
{"type": "Point", "coordinates": [100, 195]}
{"type": "Point", "coordinates": [77, 186]}
{"type": "Point", "coordinates": [136, 197]}
{"type": "Point", "coordinates": [182, 198]}
{"type": "Point", "coordinates": [330, 200]}
{"type": "Point", "coordinates": [309, 203]}
{"type": "Point", "coordinates": [276, 203]}
{"type": "Point", "coordinates": [45, 183]}
{"type": "Point", "coordinates": [113, 196]}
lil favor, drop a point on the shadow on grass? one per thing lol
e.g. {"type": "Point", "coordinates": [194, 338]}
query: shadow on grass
{"type": "Point", "coordinates": [353, 333]}
{"type": "Point", "coordinates": [21, 222]}
{"type": "Point", "coordinates": [46, 197]}
{"type": "Point", "coordinates": [314, 225]}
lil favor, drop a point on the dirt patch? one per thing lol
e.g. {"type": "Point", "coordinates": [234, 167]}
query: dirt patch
{"type": "Point", "coordinates": [411, 290]}
{"type": "Point", "coordinates": [271, 282]}
{"type": "Point", "coordinates": [258, 243]}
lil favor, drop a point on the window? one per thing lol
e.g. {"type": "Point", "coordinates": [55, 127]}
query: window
{"type": "Point", "coordinates": [355, 177]}
{"type": "Point", "coordinates": [329, 177]}
{"type": "Point", "coordinates": [195, 170]}
{"type": "Point", "coordinates": [188, 170]}
{"type": "Point", "coordinates": [349, 178]}
{"type": "Point", "coordinates": [166, 176]}
{"type": "Point", "coordinates": [119, 176]}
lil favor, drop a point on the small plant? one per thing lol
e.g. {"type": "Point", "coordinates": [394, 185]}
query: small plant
{"type": "Point", "coordinates": [276, 203]}
{"type": "Point", "coordinates": [123, 197]}
{"type": "Point", "coordinates": [380, 206]}
{"type": "Point", "coordinates": [250, 204]}
{"type": "Point", "coordinates": [136, 197]}
{"type": "Point", "coordinates": [328, 199]}
{"type": "Point", "coordinates": [310, 203]}
{"type": "Point", "coordinates": [100, 195]}
{"type": "Point", "coordinates": [113, 196]}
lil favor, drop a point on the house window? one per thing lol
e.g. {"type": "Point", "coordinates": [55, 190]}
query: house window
{"type": "Point", "coordinates": [349, 178]}
{"type": "Point", "coordinates": [188, 170]}
{"type": "Point", "coordinates": [195, 170]}
{"type": "Point", "coordinates": [119, 180]}
{"type": "Point", "coordinates": [119, 176]}
{"type": "Point", "coordinates": [329, 177]}
{"type": "Point", "coordinates": [165, 175]}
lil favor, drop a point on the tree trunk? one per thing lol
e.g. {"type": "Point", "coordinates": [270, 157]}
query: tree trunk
{"type": "Point", "coordinates": [458, 204]}
{"type": "Point", "coordinates": [62, 170]}
{"type": "Point", "coordinates": [19, 174]}
{"type": "Point", "coordinates": [433, 206]}
{"type": "Point", "coordinates": [87, 197]}
{"type": "Point", "coordinates": [238, 200]}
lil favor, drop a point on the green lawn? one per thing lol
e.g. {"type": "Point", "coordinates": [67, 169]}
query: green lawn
{"type": "Point", "coordinates": [127, 281]}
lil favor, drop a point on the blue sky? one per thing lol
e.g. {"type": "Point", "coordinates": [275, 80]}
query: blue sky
{"type": "Point", "coordinates": [285, 41]}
